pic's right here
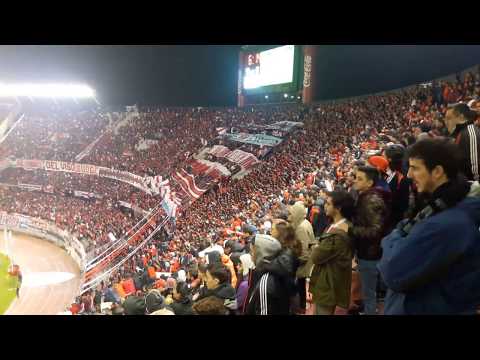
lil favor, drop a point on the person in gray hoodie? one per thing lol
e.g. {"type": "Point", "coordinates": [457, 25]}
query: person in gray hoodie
{"type": "Point", "coordinates": [267, 293]}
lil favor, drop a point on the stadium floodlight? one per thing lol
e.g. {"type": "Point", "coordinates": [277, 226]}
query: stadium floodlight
{"type": "Point", "coordinates": [46, 90]}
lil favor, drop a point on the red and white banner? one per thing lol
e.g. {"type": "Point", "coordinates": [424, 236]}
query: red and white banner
{"type": "Point", "coordinates": [240, 157]}
{"type": "Point", "coordinates": [124, 176]}
{"type": "Point", "coordinates": [191, 182]}
{"type": "Point", "coordinates": [219, 151]}
{"type": "Point", "coordinates": [213, 169]}
{"type": "Point", "coordinates": [29, 164]}
{"type": "Point", "coordinates": [187, 183]}
{"type": "Point", "coordinates": [87, 169]}
{"type": "Point", "coordinates": [156, 183]}
{"type": "Point", "coordinates": [30, 187]}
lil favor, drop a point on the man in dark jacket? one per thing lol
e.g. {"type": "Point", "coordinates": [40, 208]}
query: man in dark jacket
{"type": "Point", "coordinates": [431, 262]}
{"type": "Point", "coordinates": [317, 217]}
{"type": "Point", "coordinates": [218, 284]}
{"type": "Point", "coordinates": [369, 225]}
{"type": "Point", "coordinates": [399, 184]}
{"type": "Point", "coordinates": [459, 121]}
{"type": "Point", "coordinates": [182, 304]}
{"type": "Point", "coordinates": [267, 293]}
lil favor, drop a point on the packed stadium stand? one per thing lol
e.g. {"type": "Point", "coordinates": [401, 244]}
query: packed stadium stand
{"type": "Point", "coordinates": [151, 194]}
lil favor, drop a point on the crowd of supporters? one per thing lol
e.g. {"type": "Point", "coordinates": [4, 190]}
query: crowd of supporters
{"type": "Point", "coordinates": [336, 208]}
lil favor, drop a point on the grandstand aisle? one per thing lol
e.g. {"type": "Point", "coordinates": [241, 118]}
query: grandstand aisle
{"type": "Point", "coordinates": [50, 277]}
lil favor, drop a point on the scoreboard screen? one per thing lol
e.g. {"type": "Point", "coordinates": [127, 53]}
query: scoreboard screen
{"type": "Point", "coordinates": [270, 67]}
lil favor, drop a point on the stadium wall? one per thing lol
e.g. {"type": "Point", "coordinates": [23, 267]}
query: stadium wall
{"type": "Point", "coordinates": [46, 231]}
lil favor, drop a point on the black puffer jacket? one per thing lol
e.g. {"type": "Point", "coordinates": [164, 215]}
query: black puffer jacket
{"type": "Point", "coordinates": [182, 307]}
{"type": "Point", "coordinates": [225, 292]}
{"type": "Point", "coordinates": [285, 266]}
{"type": "Point", "coordinates": [271, 286]}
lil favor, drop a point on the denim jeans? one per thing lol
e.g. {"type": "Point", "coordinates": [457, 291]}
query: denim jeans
{"type": "Point", "coordinates": [368, 278]}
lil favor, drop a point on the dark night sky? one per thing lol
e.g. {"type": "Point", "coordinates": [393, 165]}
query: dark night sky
{"type": "Point", "coordinates": [164, 75]}
{"type": "Point", "coordinates": [207, 74]}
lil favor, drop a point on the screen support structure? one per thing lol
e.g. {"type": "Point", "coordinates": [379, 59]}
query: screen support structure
{"type": "Point", "coordinates": [308, 73]}
{"type": "Point", "coordinates": [241, 66]}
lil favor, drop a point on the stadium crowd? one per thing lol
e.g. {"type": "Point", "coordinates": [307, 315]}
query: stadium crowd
{"type": "Point", "coordinates": [305, 226]}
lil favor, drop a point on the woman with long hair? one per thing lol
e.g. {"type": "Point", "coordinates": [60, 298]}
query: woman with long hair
{"type": "Point", "coordinates": [285, 265]}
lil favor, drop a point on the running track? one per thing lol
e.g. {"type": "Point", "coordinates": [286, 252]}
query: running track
{"type": "Point", "coordinates": [50, 277]}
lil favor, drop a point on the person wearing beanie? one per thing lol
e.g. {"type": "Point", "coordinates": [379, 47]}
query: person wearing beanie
{"type": "Point", "coordinates": [155, 304]}
{"type": "Point", "coordinates": [267, 295]}
{"type": "Point", "coordinates": [304, 234]}
{"type": "Point", "coordinates": [381, 164]}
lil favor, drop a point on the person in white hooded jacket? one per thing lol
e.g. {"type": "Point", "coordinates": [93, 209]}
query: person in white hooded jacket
{"type": "Point", "coordinates": [304, 234]}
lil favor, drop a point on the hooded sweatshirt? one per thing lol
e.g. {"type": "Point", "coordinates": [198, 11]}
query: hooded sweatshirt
{"type": "Point", "coordinates": [267, 293]}
{"type": "Point", "coordinates": [304, 233]}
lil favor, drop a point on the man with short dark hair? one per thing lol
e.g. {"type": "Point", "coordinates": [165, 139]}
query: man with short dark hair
{"type": "Point", "coordinates": [459, 121]}
{"type": "Point", "coordinates": [431, 261]}
{"type": "Point", "coordinates": [218, 284]}
{"type": "Point", "coordinates": [369, 225]}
